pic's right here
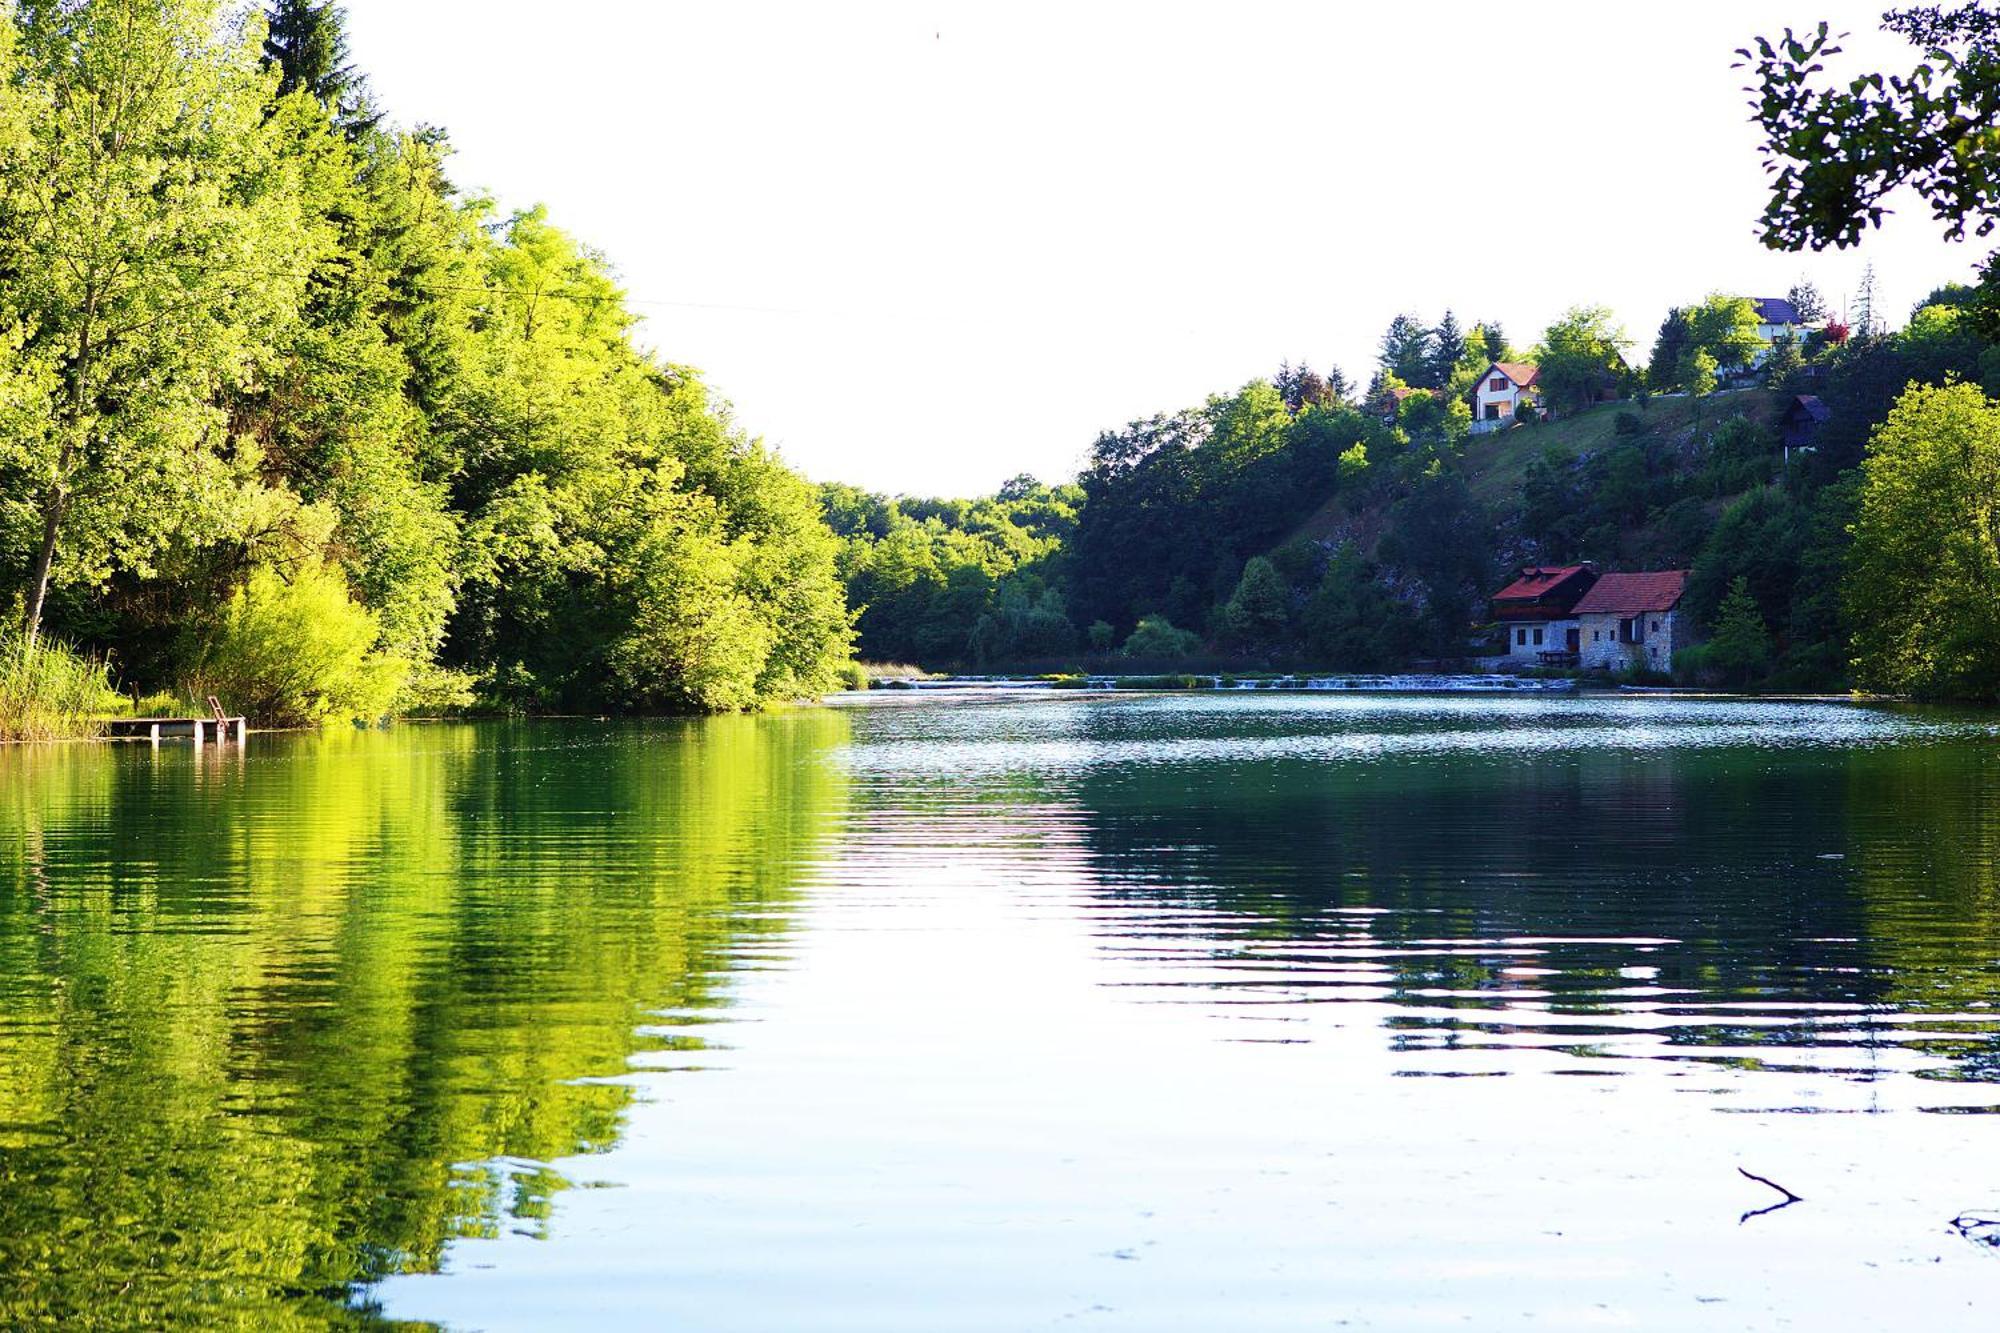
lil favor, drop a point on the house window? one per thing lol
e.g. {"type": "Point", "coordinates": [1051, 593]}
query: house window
{"type": "Point", "coordinates": [1538, 636]}
{"type": "Point", "coordinates": [1656, 627]}
{"type": "Point", "coordinates": [1498, 384]}
{"type": "Point", "coordinates": [1493, 411]}
{"type": "Point", "coordinates": [1520, 638]}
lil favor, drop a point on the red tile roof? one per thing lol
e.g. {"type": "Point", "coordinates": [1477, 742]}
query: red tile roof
{"type": "Point", "coordinates": [1633, 594]}
{"type": "Point", "coordinates": [1536, 580]}
{"type": "Point", "coordinates": [1521, 372]}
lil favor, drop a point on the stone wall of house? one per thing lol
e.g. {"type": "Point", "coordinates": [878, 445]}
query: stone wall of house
{"type": "Point", "coordinates": [1663, 632]}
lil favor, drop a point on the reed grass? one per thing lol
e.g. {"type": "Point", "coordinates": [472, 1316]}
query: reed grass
{"type": "Point", "coordinates": [50, 692]}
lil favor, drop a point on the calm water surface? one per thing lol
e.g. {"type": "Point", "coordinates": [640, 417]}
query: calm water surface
{"type": "Point", "coordinates": [1202, 1013]}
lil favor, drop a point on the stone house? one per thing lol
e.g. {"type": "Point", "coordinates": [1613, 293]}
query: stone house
{"type": "Point", "coordinates": [1628, 621]}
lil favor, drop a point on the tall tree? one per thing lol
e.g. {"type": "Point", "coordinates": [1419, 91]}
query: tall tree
{"type": "Point", "coordinates": [1447, 350]}
{"type": "Point", "coordinates": [1405, 351]}
{"type": "Point", "coordinates": [1867, 319]}
{"type": "Point", "coordinates": [1923, 584]}
{"type": "Point", "coordinates": [1670, 346]}
{"type": "Point", "coordinates": [1740, 648]}
{"type": "Point", "coordinates": [307, 44]}
{"type": "Point", "coordinates": [1580, 358]}
{"type": "Point", "coordinates": [1726, 328]}
{"type": "Point", "coordinates": [157, 244]}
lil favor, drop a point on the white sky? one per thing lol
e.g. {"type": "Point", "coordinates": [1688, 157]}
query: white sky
{"type": "Point", "coordinates": [923, 247]}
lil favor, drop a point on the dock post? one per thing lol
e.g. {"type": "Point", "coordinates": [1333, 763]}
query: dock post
{"type": "Point", "coordinates": [242, 729]}
{"type": "Point", "coordinates": [153, 735]}
{"type": "Point", "coordinates": [197, 733]}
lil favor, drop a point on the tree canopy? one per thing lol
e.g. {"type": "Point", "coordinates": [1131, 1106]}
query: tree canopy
{"type": "Point", "coordinates": [1836, 150]}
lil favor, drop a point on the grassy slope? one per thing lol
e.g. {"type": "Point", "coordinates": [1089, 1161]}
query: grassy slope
{"type": "Point", "coordinates": [1494, 464]}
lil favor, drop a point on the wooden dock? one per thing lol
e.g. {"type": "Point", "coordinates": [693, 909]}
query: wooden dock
{"type": "Point", "coordinates": [218, 726]}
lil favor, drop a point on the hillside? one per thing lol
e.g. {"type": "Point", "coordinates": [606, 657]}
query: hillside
{"type": "Point", "coordinates": [1495, 466]}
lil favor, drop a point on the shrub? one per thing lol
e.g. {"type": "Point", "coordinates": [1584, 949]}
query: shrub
{"type": "Point", "coordinates": [1628, 423]}
{"type": "Point", "coordinates": [1102, 637]}
{"type": "Point", "coordinates": [298, 651]}
{"type": "Point", "coordinates": [430, 690]}
{"type": "Point", "coordinates": [49, 692]}
{"type": "Point", "coordinates": [854, 676]}
{"type": "Point", "coordinates": [1155, 636]}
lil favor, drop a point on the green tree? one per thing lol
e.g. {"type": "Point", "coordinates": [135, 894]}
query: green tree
{"type": "Point", "coordinates": [1673, 342]}
{"type": "Point", "coordinates": [1155, 637]}
{"type": "Point", "coordinates": [1726, 328]}
{"type": "Point", "coordinates": [1923, 584]}
{"type": "Point", "coordinates": [1784, 361]}
{"type": "Point", "coordinates": [1739, 650]}
{"type": "Point", "coordinates": [1581, 357]}
{"type": "Point", "coordinates": [1351, 622]}
{"type": "Point", "coordinates": [154, 241]}
{"type": "Point", "coordinates": [1836, 151]}
{"type": "Point", "coordinates": [1448, 348]}
{"type": "Point", "coordinates": [1808, 301]}
{"type": "Point", "coordinates": [1696, 372]}
{"type": "Point", "coordinates": [1405, 351]}
{"type": "Point", "coordinates": [306, 43]}
{"type": "Point", "coordinates": [1258, 614]}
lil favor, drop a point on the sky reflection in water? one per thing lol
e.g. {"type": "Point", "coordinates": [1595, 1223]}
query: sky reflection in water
{"type": "Point", "coordinates": [1147, 1013]}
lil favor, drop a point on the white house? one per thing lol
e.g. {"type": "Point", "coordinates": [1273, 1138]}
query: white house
{"type": "Point", "coordinates": [1504, 389]}
{"type": "Point", "coordinates": [1535, 614]}
{"type": "Point", "coordinates": [1632, 621]}
{"type": "Point", "coordinates": [1777, 318]}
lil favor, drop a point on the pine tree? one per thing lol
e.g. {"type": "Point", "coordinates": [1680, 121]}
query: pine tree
{"type": "Point", "coordinates": [307, 44]}
{"type": "Point", "coordinates": [1740, 648]}
{"type": "Point", "coordinates": [1339, 389]}
{"type": "Point", "coordinates": [1670, 347]}
{"type": "Point", "coordinates": [1406, 351]}
{"type": "Point", "coordinates": [1447, 350]}
{"type": "Point", "coordinates": [1866, 321]}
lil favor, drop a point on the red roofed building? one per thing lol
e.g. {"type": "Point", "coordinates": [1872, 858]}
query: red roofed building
{"type": "Point", "coordinates": [1633, 621]}
{"type": "Point", "coordinates": [1535, 612]}
{"type": "Point", "coordinates": [1504, 389]}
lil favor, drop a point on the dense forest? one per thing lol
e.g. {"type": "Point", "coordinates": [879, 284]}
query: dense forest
{"type": "Point", "coordinates": [290, 416]}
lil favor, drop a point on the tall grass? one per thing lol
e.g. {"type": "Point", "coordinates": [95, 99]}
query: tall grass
{"type": "Point", "coordinates": [49, 692]}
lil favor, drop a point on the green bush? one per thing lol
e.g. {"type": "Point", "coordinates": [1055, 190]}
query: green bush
{"type": "Point", "coordinates": [430, 690]}
{"type": "Point", "coordinates": [49, 692]}
{"type": "Point", "coordinates": [854, 676]}
{"type": "Point", "coordinates": [298, 652]}
{"type": "Point", "coordinates": [1628, 423]}
{"type": "Point", "coordinates": [1155, 636]}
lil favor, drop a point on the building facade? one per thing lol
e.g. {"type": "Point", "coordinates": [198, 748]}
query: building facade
{"type": "Point", "coordinates": [1536, 617]}
{"type": "Point", "coordinates": [1504, 390]}
{"type": "Point", "coordinates": [1632, 622]}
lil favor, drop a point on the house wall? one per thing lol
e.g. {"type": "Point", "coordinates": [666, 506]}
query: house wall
{"type": "Point", "coordinates": [1506, 401]}
{"type": "Point", "coordinates": [1662, 633]}
{"type": "Point", "coordinates": [1555, 639]}
{"type": "Point", "coordinates": [1770, 334]}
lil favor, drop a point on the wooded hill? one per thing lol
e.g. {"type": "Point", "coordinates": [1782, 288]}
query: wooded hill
{"type": "Point", "coordinates": [1284, 526]}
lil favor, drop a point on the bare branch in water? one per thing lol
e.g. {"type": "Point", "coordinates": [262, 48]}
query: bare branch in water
{"type": "Point", "coordinates": [1789, 1199]}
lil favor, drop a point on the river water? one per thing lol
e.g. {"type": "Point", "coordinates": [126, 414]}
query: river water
{"type": "Point", "coordinates": [1047, 1011]}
